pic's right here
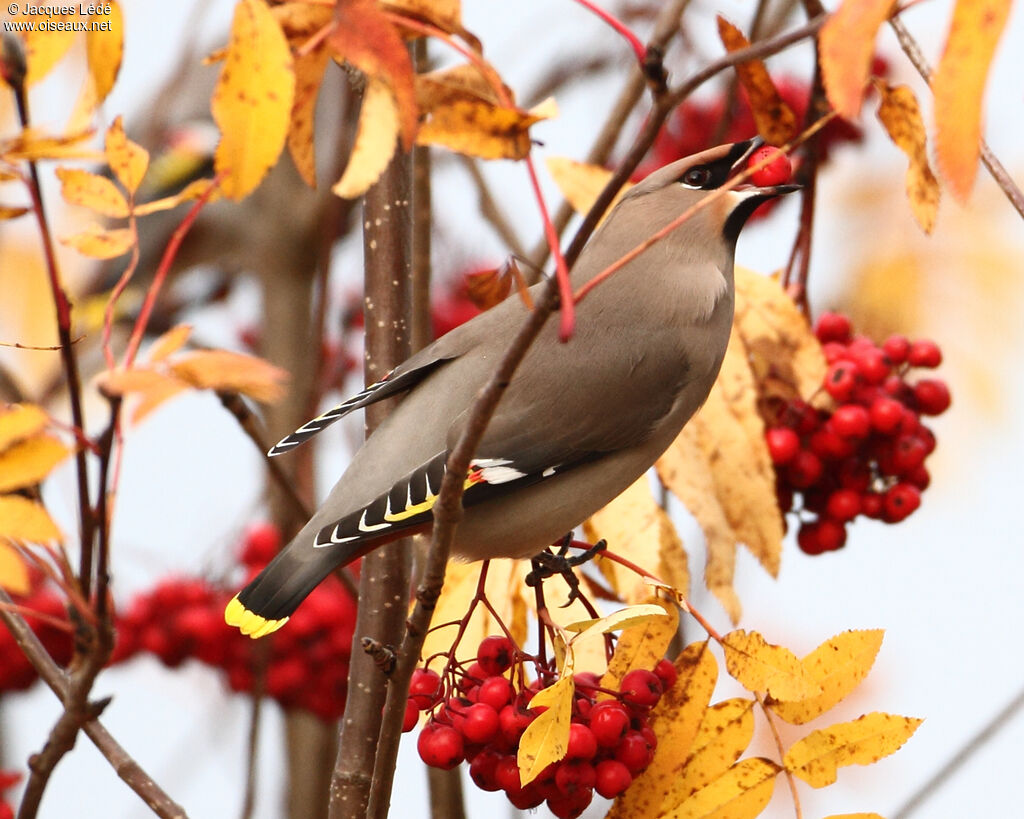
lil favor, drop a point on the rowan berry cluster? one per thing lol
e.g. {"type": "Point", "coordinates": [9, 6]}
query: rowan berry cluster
{"type": "Point", "coordinates": [16, 672]}
{"type": "Point", "coordinates": [479, 716]}
{"type": "Point", "coordinates": [867, 456]}
{"type": "Point", "coordinates": [8, 779]}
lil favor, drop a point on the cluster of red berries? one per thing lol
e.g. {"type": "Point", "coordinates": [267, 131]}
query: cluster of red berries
{"type": "Point", "coordinates": [306, 662]}
{"type": "Point", "coordinates": [479, 716]}
{"type": "Point", "coordinates": [865, 457]}
{"type": "Point", "coordinates": [8, 779]}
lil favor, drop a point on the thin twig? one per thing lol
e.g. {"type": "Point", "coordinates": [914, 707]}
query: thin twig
{"type": "Point", "coordinates": [780, 746]}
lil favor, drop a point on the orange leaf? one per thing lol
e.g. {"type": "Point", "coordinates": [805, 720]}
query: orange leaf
{"type": "Point", "coordinates": [845, 46]}
{"type": "Point", "coordinates": [775, 120]}
{"type": "Point", "coordinates": [309, 74]}
{"type": "Point", "coordinates": [959, 88]}
{"type": "Point", "coordinates": [169, 343]}
{"type": "Point", "coordinates": [100, 243]}
{"type": "Point", "coordinates": [235, 372]}
{"type": "Point", "coordinates": [899, 113]}
{"type": "Point", "coordinates": [20, 421]}
{"type": "Point", "coordinates": [816, 757]}
{"type": "Point", "coordinates": [126, 159]}
{"type": "Point", "coordinates": [486, 288]}
{"type": "Point", "coordinates": [375, 140]}
{"type": "Point", "coordinates": [152, 388]}
{"type": "Point", "coordinates": [29, 462]}
{"type": "Point", "coordinates": [12, 212]}
{"type": "Point", "coordinates": [760, 666]}
{"type": "Point", "coordinates": [366, 38]}
{"type": "Point", "coordinates": [546, 739]}
{"type": "Point", "coordinates": [252, 102]}
{"type": "Point", "coordinates": [92, 191]}
{"type": "Point", "coordinates": [478, 128]}
{"type": "Point", "coordinates": [25, 519]}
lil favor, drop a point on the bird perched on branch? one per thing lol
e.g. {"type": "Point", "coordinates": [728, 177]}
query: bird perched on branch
{"type": "Point", "coordinates": [578, 423]}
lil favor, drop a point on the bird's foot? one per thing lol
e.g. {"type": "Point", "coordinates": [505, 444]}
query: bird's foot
{"type": "Point", "coordinates": [547, 564]}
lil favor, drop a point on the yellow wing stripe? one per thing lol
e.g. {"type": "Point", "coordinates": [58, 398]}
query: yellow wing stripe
{"type": "Point", "coordinates": [248, 622]}
{"type": "Point", "coordinates": [427, 503]}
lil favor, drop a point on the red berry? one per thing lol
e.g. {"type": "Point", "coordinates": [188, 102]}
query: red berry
{"type": "Point", "coordinates": [609, 722]}
{"type": "Point", "coordinates": [896, 349]}
{"type": "Point", "coordinates": [440, 746]}
{"type": "Point", "coordinates": [480, 724]}
{"type": "Point", "coordinates": [512, 722]}
{"type": "Point", "coordinates": [823, 535]}
{"type": "Point", "coordinates": [832, 327]}
{"type": "Point", "coordinates": [851, 421]}
{"type": "Point", "coordinates": [854, 474]}
{"type": "Point", "coordinates": [908, 454]}
{"type": "Point", "coordinates": [924, 353]}
{"type": "Point", "coordinates": [569, 806]}
{"type": "Point", "coordinates": [473, 676]}
{"type": "Point", "coordinates": [805, 469]}
{"type": "Point", "coordinates": [776, 172]}
{"type": "Point", "coordinates": [783, 444]}
{"type": "Point", "coordinates": [572, 776]}
{"type": "Point", "coordinates": [425, 688]}
{"type": "Point", "coordinates": [496, 692]}
{"type": "Point", "coordinates": [840, 379]}
{"type": "Point", "coordinates": [843, 505]}
{"type": "Point", "coordinates": [667, 673]}
{"type": "Point", "coordinates": [582, 743]}
{"type": "Point", "coordinates": [412, 716]}
{"type": "Point", "coordinates": [827, 444]}
{"type": "Point", "coordinates": [506, 774]}
{"type": "Point", "coordinates": [262, 541]}
{"type": "Point", "coordinates": [886, 414]}
{"type": "Point", "coordinates": [587, 683]}
{"type": "Point", "coordinates": [612, 778]}
{"type": "Point", "coordinates": [919, 477]}
{"type": "Point", "coordinates": [872, 505]}
{"type": "Point", "coordinates": [932, 396]}
{"type": "Point", "coordinates": [633, 752]}
{"type": "Point", "coordinates": [899, 502]}
{"type": "Point", "coordinates": [495, 655]}
{"type": "Point", "coordinates": [640, 687]}
{"type": "Point", "coordinates": [872, 365]}
{"type": "Point", "coordinates": [483, 768]}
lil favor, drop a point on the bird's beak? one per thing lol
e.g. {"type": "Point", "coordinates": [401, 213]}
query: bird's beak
{"type": "Point", "coordinates": [745, 150]}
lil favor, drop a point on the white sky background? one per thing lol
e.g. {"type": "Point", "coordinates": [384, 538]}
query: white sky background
{"type": "Point", "coordinates": [945, 584]}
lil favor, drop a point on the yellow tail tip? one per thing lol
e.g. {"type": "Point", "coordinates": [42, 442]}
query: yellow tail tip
{"type": "Point", "coordinates": [248, 622]}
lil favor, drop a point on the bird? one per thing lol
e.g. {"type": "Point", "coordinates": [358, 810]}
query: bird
{"type": "Point", "coordinates": [579, 421]}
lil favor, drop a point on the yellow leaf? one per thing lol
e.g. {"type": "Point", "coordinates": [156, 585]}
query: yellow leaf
{"type": "Point", "coordinates": [92, 191]}
{"type": "Point", "coordinates": [151, 387]}
{"type": "Point", "coordinates": [309, 74]}
{"type": "Point", "coordinates": [838, 665]}
{"type": "Point", "coordinates": [623, 618]}
{"type": "Point", "coordinates": [235, 372]}
{"type": "Point", "coordinates": [740, 793]}
{"type": "Point", "coordinates": [103, 50]}
{"type": "Point", "coordinates": [683, 469]}
{"type": "Point", "coordinates": [44, 48]}
{"type": "Point", "coordinates": [28, 462]}
{"type": "Point", "coordinates": [959, 88]}
{"type": "Point", "coordinates": [193, 190]}
{"type": "Point", "coordinates": [33, 144]}
{"type": "Point", "coordinates": [253, 99]}
{"type": "Point", "coordinates": [642, 646]}
{"type": "Point", "coordinates": [12, 211]}
{"type": "Point", "coordinates": [126, 159]}
{"type": "Point", "coordinates": [100, 243]}
{"type": "Point", "coordinates": [546, 739]}
{"type": "Point", "coordinates": [816, 757]}
{"type": "Point", "coordinates": [580, 183]}
{"type": "Point", "coordinates": [20, 421]}
{"type": "Point", "coordinates": [637, 528]}
{"type": "Point", "coordinates": [14, 577]}
{"type": "Point", "coordinates": [901, 116]}
{"type": "Point", "coordinates": [775, 120]}
{"type": "Point", "coordinates": [169, 343]}
{"type": "Point", "coordinates": [24, 519]}
{"type": "Point", "coordinates": [376, 140]}
{"type": "Point", "coordinates": [845, 47]}
{"type": "Point", "coordinates": [478, 128]}
{"type": "Point", "coordinates": [724, 734]}
{"type": "Point", "coordinates": [761, 666]}
{"type": "Point", "coordinates": [675, 720]}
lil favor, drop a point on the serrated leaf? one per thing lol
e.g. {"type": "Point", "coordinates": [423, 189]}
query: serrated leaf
{"type": "Point", "coordinates": [898, 111]}
{"type": "Point", "coordinates": [92, 191]}
{"type": "Point", "coordinates": [28, 462]}
{"type": "Point", "coordinates": [20, 421]}
{"type": "Point", "coordinates": [642, 646]}
{"type": "Point", "coordinates": [675, 720]}
{"type": "Point", "coordinates": [101, 243]}
{"type": "Point", "coordinates": [740, 793]}
{"type": "Point", "coordinates": [546, 739]}
{"type": "Point", "coordinates": [252, 102]}
{"type": "Point", "coordinates": [623, 618]}
{"type": "Point", "coordinates": [25, 519]}
{"type": "Point", "coordinates": [959, 88]}
{"type": "Point", "coordinates": [169, 343]}
{"type": "Point", "coordinates": [375, 143]}
{"type": "Point", "coordinates": [760, 666]}
{"type": "Point", "coordinates": [127, 160]}
{"type": "Point", "coordinates": [816, 757]}
{"type": "Point", "coordinates": [235, 372]}
{"type": "Point", "coordinates": [724, 734]}
{"type": "Point", "coordinates": [637, 528]}
{"type": "Point", "coordinates": [14, 576]}
{"type": "Point", "coordinates": [845, 47]}
{"type": "Point", "coordinates": [775, 120]}
{"type": "Point", "coordinates": [838, 665]}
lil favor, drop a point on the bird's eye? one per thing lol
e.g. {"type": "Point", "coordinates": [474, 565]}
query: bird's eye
{"type": "Point", "coordinates": [696, 177]}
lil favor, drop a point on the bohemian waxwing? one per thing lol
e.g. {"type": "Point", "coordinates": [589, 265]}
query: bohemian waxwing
{"type": "Point", "coordinates": [578, 423]}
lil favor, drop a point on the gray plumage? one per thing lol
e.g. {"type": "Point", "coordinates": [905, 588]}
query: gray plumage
{"type": "Point", "coordinates": [578, 423]}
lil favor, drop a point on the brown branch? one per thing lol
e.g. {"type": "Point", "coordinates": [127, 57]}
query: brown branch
{"type": "Point", "coordinates": [125, 766]}
{"type": "Point", "coordinates": [991, 162]}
